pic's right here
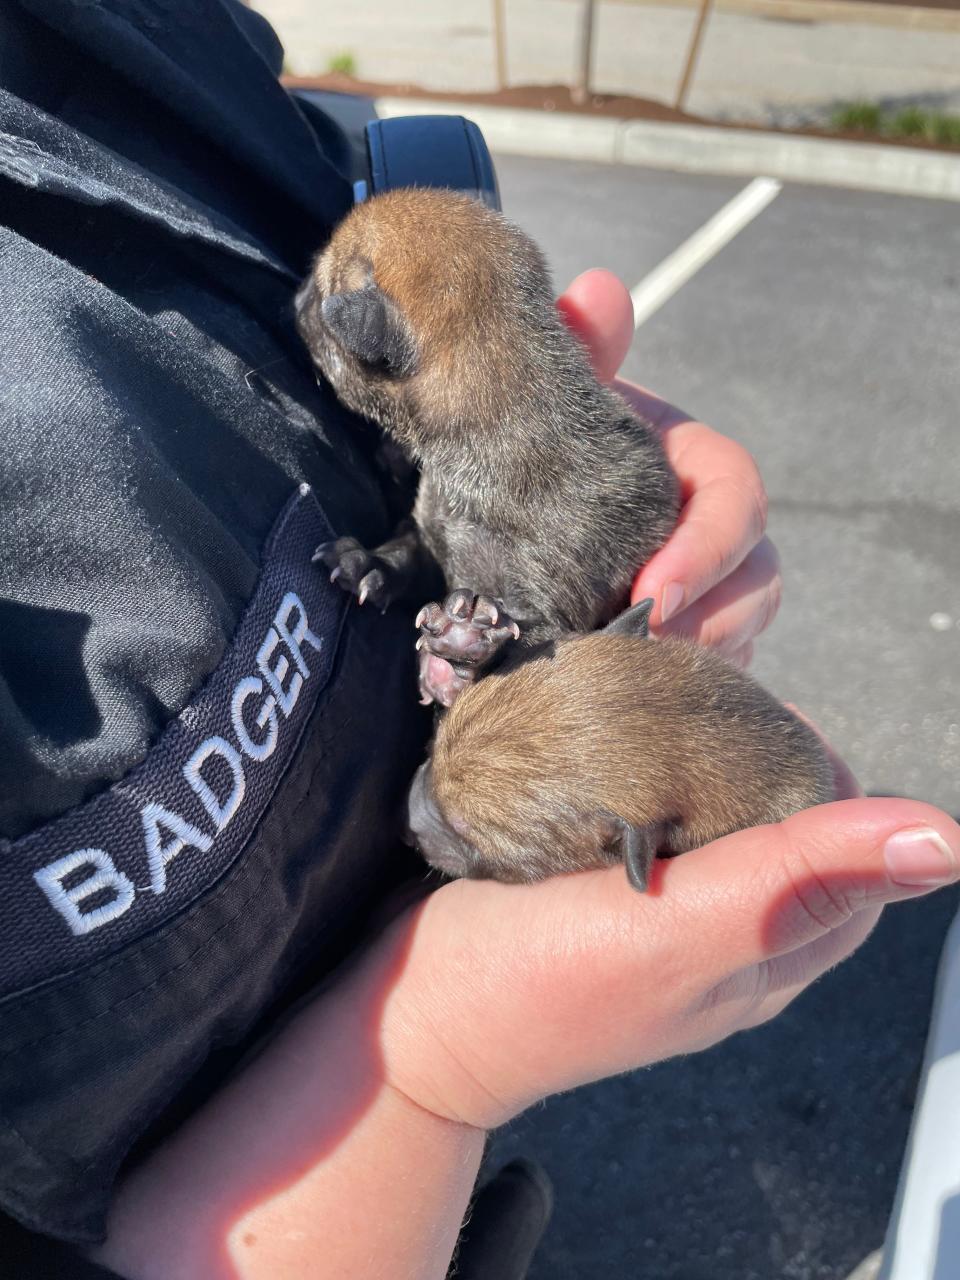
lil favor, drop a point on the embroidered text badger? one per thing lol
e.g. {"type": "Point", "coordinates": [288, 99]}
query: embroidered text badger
{"type": "Point", "coordinates": [88, 889]}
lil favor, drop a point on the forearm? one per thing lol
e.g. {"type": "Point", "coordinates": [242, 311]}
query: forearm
{"type": "Point", "coordinates": [308, 1165]}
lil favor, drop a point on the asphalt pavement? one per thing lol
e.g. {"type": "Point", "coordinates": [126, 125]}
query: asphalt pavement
{"type": "Point", "coordinates": [825, 338]}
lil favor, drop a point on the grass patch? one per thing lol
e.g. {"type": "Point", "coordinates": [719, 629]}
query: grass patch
{"type": "Point", "coordinates": [345, 63]}
{"type": "Point", "coordinates": [864, 117]}
{"type": "Point", "coordinates": [946, 131]}
{"type": "Point", "coordinates": [911, 122]}
{"type": "Point", "coordinates": [908, 122]}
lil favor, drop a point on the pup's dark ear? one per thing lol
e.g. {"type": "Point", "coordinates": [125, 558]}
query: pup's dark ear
{"type": "Point", "coordinates": [636, 847]}
{"type": "Point", "coordinates": [372, 327]}
{"type": "Point", "coordinates": [632, 622]}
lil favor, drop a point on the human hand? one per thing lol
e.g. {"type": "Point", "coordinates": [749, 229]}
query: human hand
{"type": "Point", "coordinates": [717, 580]}
{"type": "Point", "coordinates": [507, 994]}
{"type": "Point", "coordinates": [476, 1003]}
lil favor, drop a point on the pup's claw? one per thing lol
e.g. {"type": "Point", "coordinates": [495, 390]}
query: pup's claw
{"type": "Point", "coordinates": [485, 613]}
{"type": "Point", "coordinates": [458, 604]}
{"type": "Point", "coordinates": [359, 572]}
{"type": "Point", "coordinates": [433, 619]}
{"type": "Point", "coordinates": [457, 640]}
{"type": "Point", "coordinates": [636, 846]}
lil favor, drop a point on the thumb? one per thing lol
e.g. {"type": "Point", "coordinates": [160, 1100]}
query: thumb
{"type": "Point", "coordinates": [814, 887]}
{"type": "Point", "coordinates": [776, 889]}
{"type": "Point", "coordinates": [529, 990]}
{"type": "Point", "coordinates": [597, 308]}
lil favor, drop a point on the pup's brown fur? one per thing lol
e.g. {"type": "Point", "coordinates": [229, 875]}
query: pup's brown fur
{"type": "Point", "coordinates": [609, 741]}
{"type": "Point", "coordinates": [445, 266]}
{"type": "Point", "coordinates": [539, 489]}
{"type": "Point", "coordinates": [542, 494]}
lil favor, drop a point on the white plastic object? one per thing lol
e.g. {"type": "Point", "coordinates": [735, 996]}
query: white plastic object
{"type": "Point", "coordinates": [923, 1239]}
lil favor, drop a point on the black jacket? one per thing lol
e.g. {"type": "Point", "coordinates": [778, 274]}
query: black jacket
{"type": "Point", "coordinates": [203, 749]}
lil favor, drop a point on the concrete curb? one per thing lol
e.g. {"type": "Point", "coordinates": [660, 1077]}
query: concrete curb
{"type": "Point", "coordinates": [689, 148]}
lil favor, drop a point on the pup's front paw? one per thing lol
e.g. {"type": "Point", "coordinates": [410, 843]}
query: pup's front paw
{"type": "Point", "coordinates": [359, 572]}
{"type": "Point", "coordinates": [457, 639]}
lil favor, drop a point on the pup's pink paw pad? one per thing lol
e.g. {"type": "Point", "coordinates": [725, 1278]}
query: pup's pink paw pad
{"type": "Point", "coordinates": [457, 638]}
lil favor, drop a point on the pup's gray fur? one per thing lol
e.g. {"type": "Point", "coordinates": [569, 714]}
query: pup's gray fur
{"type": "Point", "coordinates": [539, 489]}
{"type": "Point", "coordinates": [541, 495]}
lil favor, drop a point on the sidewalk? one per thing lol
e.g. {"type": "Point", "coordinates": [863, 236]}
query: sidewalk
{"type": "Point", "coordinates": [711, 149]}
{"type": "Point", "coordinates": [776, 62]}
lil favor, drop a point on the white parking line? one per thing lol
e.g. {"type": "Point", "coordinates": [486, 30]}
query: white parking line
{"type": "Point", "coordinates": [674, 272]}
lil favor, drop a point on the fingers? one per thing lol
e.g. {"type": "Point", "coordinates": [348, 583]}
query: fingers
{"type": "Point", "coordinates": [525, 990]}
{"type": "Point", "coordinates": [776, 889]}
{"type": "Point", "coordinates": [725, 505]}
{"type": "Point", "coordinates": [723, 518]}
{"type": "Point", "coordinates": [651, 407]}
{"type": "Point", "coordinates": [755, 994]}
{"type": "Point", "coordinates": [738, 609]}
{"type": "Point", "coordinates": [787, 975]}
{"type": "Point", "coordinates": [743, 656]}
{"type": "Point", "coordinates": [845, 784]}
{"type": "Point", "coordinates": [597, 308]}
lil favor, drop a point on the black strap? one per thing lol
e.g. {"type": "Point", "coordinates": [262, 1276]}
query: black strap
{"type": "Point", "coordinates": [430, 151]}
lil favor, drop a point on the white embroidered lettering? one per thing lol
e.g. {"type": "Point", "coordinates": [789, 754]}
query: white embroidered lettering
{"type": "Point", "coordinates": [103, 875]}
{"type": "Point", "coordinates": [221, 811]}
{"type": "Point", "coordinates": [275, 676]}
{"type": "Point", "coordinates": [251, 687]}
{"type": "Point", "coordinates": [214, 772]}
{"type": "Point", "coordinates": [159, 854]}
{"type": "Point", "coordinates": [290, 602]}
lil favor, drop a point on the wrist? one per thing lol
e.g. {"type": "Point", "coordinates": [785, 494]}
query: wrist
{"type": "Point", "coordinates": [282, 1166]}
{"type": "Point", "coordinates": [494, 1005]}
{"type": "Point", "coordinates": [441, 1032]}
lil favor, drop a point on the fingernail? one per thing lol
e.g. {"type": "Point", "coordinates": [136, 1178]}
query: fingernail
{"type": "Point", "coordinates": [671, 600]}
{"type": "Point", "coordinates": [919, 857]}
